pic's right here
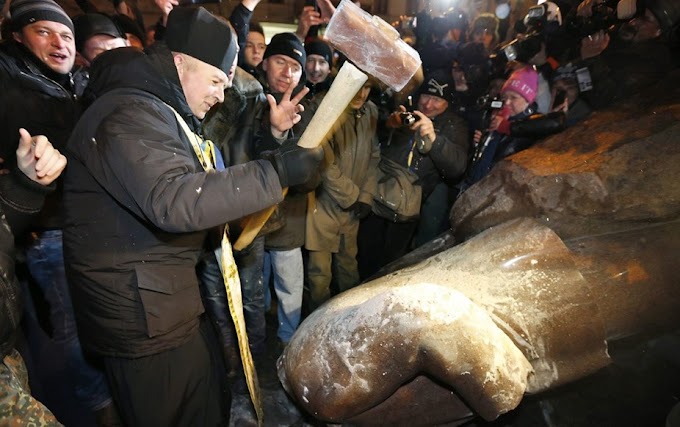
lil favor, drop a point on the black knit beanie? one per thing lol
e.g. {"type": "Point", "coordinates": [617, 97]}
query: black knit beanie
{"type": "Point", "coordinates": [321, 48]}
{"type": "Point", "coordinates": [25, 12]}
{"type": "Point", "coordinates": [286, 44]}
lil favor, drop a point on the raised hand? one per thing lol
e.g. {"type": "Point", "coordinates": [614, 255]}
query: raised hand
{"type": "Point", "coordinates": [284, 115]}
{"type": "Point", "coordinates": [308, 18]}
{"type": "Point", "coordinates": [327, 9]}
{"type": "Point", "coordinates": [38, 159]}
{"type": "Point", "coordinates": [425, 128]}
{"type": "Point", "coordinates": [166, 7]}
{"type": "Point", "coordinates": [594, 44]}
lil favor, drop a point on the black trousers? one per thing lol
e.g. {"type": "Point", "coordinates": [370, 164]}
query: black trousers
{"type": "Point", "coordinates": [381, 241]}
{"type": "Point", "coordinates": [178, 387]}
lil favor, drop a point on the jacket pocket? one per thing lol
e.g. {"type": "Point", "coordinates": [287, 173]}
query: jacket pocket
{"type": "Point", "coordinates": [170, 296]}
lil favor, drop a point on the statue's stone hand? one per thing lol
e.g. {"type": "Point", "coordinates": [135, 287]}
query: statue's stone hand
{"type": "Point", "coordinates": [368, 344]}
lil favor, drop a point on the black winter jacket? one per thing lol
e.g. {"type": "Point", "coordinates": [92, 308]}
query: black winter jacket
{"type": "Point", "coordinates": [19, 199]}
{"type": "Point", "coordinates": [39, 100]}
{"type": "Point", "coordinates": [139, 206]}
{"type": "Point", "coordinates": [445, 162]}
{"type": "Point", "coordinates": [291, 213]}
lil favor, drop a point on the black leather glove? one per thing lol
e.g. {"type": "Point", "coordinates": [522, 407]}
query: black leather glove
{"type": "Point", "coordinates": [360, 210]}
{"type": "Point", "coordinates": [295, 165]}
{"type": "Point", "coordinates": [539, 126]}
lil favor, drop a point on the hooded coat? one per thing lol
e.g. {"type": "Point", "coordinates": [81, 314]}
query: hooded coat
{"type": "Point", "coordinates": [139, 206]}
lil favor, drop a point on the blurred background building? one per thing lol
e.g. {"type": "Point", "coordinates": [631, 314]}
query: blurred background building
{"type": "Point", "coordinates": [282, 15]}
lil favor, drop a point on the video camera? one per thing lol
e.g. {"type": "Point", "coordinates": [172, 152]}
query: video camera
{"type": "Point", "coordinates": [539, 20]}
{"type": "Point", "coordinates": [487, 105]}
{"type": "Point", "coordinates": [603, 18]}
{"type": "Point", "coordinates": [487, 102]}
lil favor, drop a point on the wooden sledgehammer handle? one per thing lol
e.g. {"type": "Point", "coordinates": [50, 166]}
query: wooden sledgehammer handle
{"type": "Point", "coordinates": [346, 84]}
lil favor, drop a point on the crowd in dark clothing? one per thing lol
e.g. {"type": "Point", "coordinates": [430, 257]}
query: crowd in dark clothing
{"type": "Point", "coordinates": [172, 149]}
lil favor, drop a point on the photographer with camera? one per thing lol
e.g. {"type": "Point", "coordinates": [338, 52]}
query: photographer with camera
{"type": "Point", "coordinates": [634, 53]}
{"type": "Point", "coordinates": [566, 96]}
{"type": "Point", "coordinates": [513, 128]}
{"type": "Point", "coordinates": [540, 37]}
{"type": "Point", "coordinates": [424, 148]}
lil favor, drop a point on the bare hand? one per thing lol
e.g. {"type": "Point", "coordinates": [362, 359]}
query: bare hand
{"type": "Point", "coordinates": [250, 4]}
{"type": "Point", "coordinates": [327, 9]}
{"type": "Point", "coordinates": [38, 159]}
{"type": "Point", "coordinates": [308, 18]}
{"type": "Point", "coordinates": [424, 126]}
{"type": "Point", "coordinates": [563, 107]}
{"type": "Point", "coordinates": [394, 121]}
{"type": "Point", "coordinates": [585, 8]}
{"type": "Point", "coordinates": [477, 137]}
{"type": "Point", "coordinates": [284, 115]}
{"type": "Point", "coordinates": [166, 7]}
{"type": "Point", "coordinates": [594, 44]}
{"type": "Point", "coordinates": [495, 122]}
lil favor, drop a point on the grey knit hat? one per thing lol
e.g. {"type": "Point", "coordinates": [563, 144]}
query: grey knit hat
{"type": "Point", "coordinates": [25, 12]}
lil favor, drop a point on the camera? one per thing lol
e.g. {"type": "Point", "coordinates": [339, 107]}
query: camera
{"type": "Point", "coordinates": [407, 118]}
{"type": "Point", "coordinates": [603, 17]}
{"type": "Point", "coordinates": [523, 49]}
{"type": "Point", "coordinates": [486, 102]}
{"type": "Point", "coordinates": [313, 31]}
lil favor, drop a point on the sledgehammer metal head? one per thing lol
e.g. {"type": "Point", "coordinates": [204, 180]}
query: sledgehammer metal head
{"type": "Point", "coordinates": [372, 45]}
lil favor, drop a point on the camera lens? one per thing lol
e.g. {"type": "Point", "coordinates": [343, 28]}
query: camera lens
{"type": "Point", "coordinates": [407, 119]}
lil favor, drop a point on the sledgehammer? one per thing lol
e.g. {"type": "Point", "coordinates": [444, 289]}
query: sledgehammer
{"type": "Point", "coordinates": [372, 45]}
{"type": "Point", "coordinates": [375, 47]}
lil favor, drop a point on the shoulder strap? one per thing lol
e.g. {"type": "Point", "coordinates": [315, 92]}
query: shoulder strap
{"type": "Point", "coordinates": [204, 148]}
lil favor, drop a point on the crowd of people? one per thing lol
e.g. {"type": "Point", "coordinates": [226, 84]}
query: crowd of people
{"type": "Point", "coordinates": [176, 135]}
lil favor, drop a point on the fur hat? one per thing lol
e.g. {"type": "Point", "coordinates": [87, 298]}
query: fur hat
{"type": "Point", "coordinates": [201, 35]}
{"type": "Point", "coordinates": [25, 12]}
{"type": "Point", "coordinates": [523, 81]}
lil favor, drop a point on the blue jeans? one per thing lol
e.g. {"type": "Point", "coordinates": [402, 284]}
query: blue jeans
{"type": "Point", "coordinates": [288, 283]}
{"type": "Point", "coordinates": [45, 261]}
